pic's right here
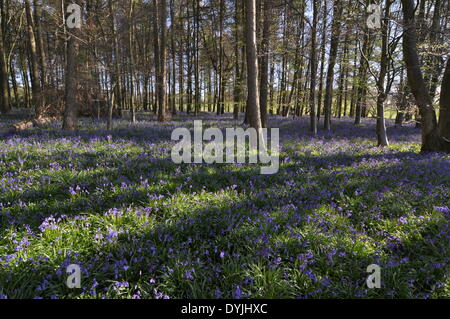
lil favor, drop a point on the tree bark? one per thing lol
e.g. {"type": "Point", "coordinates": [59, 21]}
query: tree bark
{"type": "Point", "coordinates": [252, 68]}
{"type": "Point", "coordinates": [238, 78]}
{"type": "Point", "coordinates": [265, 62]}
{"type": "Point", "coordinates": [70, 120]}
{"type": "Point", "coordinates": [322, 59]}
{"type": "Point", "coordinates": [35, 79]}
{"type": "Point", "coordinates": [444, 108]}
{"type": "Point", "coordinates": [162, 61]}
{"type": "Point", "coordinates": [381, 98]}
{"type": "Point", "coordinates": [336, 30]}
{"type": "Point", "coordinates": [312, 94]}
{"type": "Point", "coordinates": [5, 104]}
{"type": "Point", "coordinates": [431, 141]}
{"type": "Point", "coordinates": [131, 61]}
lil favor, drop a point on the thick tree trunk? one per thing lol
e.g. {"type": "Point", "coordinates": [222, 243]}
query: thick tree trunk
{"type": "Point", "coordinates": [70, 121]}
{"type": "Point", "coordinates": [431, 141]}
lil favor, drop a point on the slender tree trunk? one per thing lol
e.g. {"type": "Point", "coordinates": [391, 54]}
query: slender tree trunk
{"type": "Point", "coordinates": [12, 74]}
{"type": "Point", "coordinates": [174, 56]}
{"type": "Point", "coordinates": [161, 75]}
{"type": "Point", "coordinates": [322, 59]}
{"type": "Point", "coordinates": [196, 56]}
{"type": "Point", "coordinates": [401, 100]}
{"type": "Point", "coordinates": [434, 62]}
{"type": "Point", "coordinates": [341, 82]}
{"type": "Point", "coordinates": [25, 80]}
{"type": "Point", "coordinates": [362, 79]}
{"type": "Point", "coordinates": [180, 78]}
{"type": "Point", "coordinates": [354, 82]}
{"type": "Point", "coordinates": [131, 61]}
{"type": "Point", "coordinates": [336, 29]}
{"type": "Point", "coordinates": [271, 88]}
{"type": "Point", "coordinates": [35, 79]}
{"type": "Point", "coordinates": [5, 105]}
{"type": "Point", "coordinates": [40, 43]}
{"type": "Point", "coordinates": [381, 125]}
{"type": "Point", "coordinates": [265, 61]}
{"type": "Point", "coordinates": [238, 71]}
{"type": "Point", "coordinates": [313, 63]}
{"type": "Point", "coordinates": [444, 108]}
{"type": "Point", "coordinates": [252, 68]}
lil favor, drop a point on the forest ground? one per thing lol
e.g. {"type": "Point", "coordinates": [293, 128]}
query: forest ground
{"type": "Point", "coordinates": [141, 226]}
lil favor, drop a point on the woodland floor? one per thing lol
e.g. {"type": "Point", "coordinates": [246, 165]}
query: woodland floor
{"type": "Point", "coordinates": [141, 226]}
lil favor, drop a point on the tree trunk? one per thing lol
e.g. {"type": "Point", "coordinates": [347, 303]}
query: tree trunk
{"type": "Point", "coordinates": [238, 79]}
{"type": "Point", "coordinates": [313, 63]}
{"type": "Point", "coordinates": [162, 61]}
{"type": "Point", "coordinates": [252, 68]}
{"type": "Point", "coordinates": [70, 121]}
{"type": "Point", "coordinates": [131, 61]}
{"type": "Point", "coordinates": [196, 56]}
{"type": "Point", "coordinates": [336, 30]}
{"type": "Point", "coordinates": [35, 79]}
{"type": "Point", "coordinates": [322, 59]}
{"type": "Point", "coordinates": [5, 104]}
{"type": "Point", "coordinates": [381, 98]}
{"type": "Point", "coordinates": [174, 57]}
{"type": "Point", "coordinates": [362, 79]}
{"type": "Point", "coordinates": [40, 44]}
{"type": "Point", "coordinates": [444, 108]}
{"type": "Point", "coordinates": [265, 62]}
{"type": "Point", "coordinates": [431, 141]}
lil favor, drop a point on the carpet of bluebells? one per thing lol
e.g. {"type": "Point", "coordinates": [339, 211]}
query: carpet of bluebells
{"type": "Point", "coordinates": [141, 226]}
